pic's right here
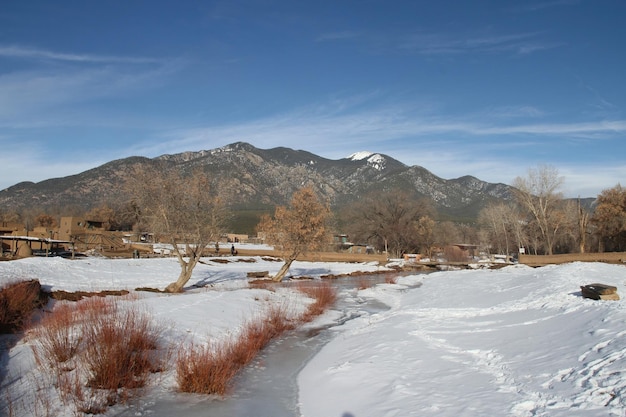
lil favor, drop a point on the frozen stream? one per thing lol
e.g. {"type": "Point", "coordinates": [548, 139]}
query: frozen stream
{"type": "Point", "coordinates": [268, 387]}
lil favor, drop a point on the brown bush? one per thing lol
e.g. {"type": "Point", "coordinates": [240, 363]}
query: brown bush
{"type": "Point", "coordinates": [111, 351]}
{"type": "Point", "coordinates": [205, 369]}
{"type": "Point", "coordinates": [257, 334]}
{"type": "Point", "coordinates": [58, 342]}
{"type": "Point", "coordinates": [324, 295]}
{"type": "Point", "coordinates": [210, 369]}
{"type": "Point", "coordinates": [118, 350]}
{"type": "Point", "coordinates": [17, 303]}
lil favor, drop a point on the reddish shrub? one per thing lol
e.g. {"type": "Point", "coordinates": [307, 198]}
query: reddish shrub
{"type": "Point", "coordinates": [17, 303]}
{"type": "Point", "coordinates": [205, 369]}
{"type": "Point", "coordinates": [111, 349]}
{"type": "Point", "coordinates": [58, 342]}
{"type": "Point", "coordinates": [118, 350]}
{"type": "Point", "coordinates": [210, 369]}
{"type": "Point", "coordinates": [324, 295]}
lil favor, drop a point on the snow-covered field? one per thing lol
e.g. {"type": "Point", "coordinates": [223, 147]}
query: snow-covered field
{"type": "Point", "coordinates": [510, 342]}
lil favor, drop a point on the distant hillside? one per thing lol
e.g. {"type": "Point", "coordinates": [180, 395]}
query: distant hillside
{"type": "Point", "coordinates": [255, 179]}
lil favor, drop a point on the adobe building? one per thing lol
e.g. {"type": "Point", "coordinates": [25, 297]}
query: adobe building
{"type": "Point", "coordinates": [8, 229]}
{"type": "Point", "coordinates": [16, 241]}
{"type": "Point", "coordinates": [89, 234]}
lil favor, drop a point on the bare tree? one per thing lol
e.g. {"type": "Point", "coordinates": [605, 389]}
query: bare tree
{"type": "Point", "coordinates": [182, 211]}
{"type": "Point", "coordinates": [538, 194]}
{"type": "Point", "coordinates": [502, 227]}
{"type": "Point", "coordinates": [610, 218]}
{"type": "Point", "coordinates": [426, 234]}
{"type": "Point", "coordinates": [10, 217]}
{"type": "Point", "coordinates": [447, 233]}
{"type": "Point", "coordinates": [45, 220]}
{"type": "Point", "coordinates": [104, 214]}
{"type": "Point", "coordinates": [295, 229]}
{"type": "Point", "coordinates": [576, 226]}
{"type": "Point", "coordinates": [390, 221]}
{"type": "Point", "coordinates": [584, 216]}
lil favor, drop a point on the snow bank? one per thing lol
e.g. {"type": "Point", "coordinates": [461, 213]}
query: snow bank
{"type": "Point", "coordinates": [510, 342]}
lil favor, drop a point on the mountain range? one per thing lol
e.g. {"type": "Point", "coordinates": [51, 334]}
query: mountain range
{"type": "Point", "coordinates": [254, 179]}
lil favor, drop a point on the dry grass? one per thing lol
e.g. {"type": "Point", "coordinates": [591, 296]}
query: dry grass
{"type": "Point", "coordinates": [17, 303]}
{"type": "Point", "coordinates": [542, 260]}
{"type": "Point", "coordinates": [318, 256]}
{"type": "Point", "coordinates": [205, 369]}
{"type": "Point", "coordinates": [98, 353]}
{"type": "Point", "coordinates": [118, 350]}
{"type": "Point", "coordinates": [263, 284]}
{"type": "Point", "coordinates": [58, 343]}
{"type": "Point", "coordinates": [210, 369]}
{"type": "Point", "coordinates": [391, 279]}
{"type": "Point", "coordinates": [324, 296]}
{"type": "Point", "coordinates": [257, 334]}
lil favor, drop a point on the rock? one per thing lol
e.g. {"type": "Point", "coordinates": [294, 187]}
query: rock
{"type": "Point", "coordinates": [599, 292]}
{"type": "Point", "coordinates": [261, 274]}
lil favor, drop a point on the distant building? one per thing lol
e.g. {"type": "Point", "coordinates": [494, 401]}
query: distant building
{"type": "Point", "coordinates": [236, 238]}
{"type": "Point", "coordinates": [8, 229]}
{"type": "Point", "coordinates": [89, 234]}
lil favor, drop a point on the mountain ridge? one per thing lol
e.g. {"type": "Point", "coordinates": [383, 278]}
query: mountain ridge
{"type": "Point", "coordinates": [253, 178]}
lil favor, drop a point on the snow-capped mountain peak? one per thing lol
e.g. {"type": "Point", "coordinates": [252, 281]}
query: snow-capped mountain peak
{"type": "Point", "coordinates": [358, 156]}
{"type": "Point", "coordinates": [375, 160]}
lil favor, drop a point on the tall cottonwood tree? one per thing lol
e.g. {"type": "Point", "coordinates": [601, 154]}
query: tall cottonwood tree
{"type": "Point", "coordinates": [393, 221]}
{"type": "Point", "coordinates": [576, 226]}
{"type": "Point", "coordinates": [609, 218]}
{"type": "Point", "coordinates": [538, 193]}
{"type": "Point", "coordinates": [297, 228]}
{"type": "Point", "coordinates": [181, 210]}
{"type": "Point", "coordinates": [502, 227]}
{"type": "Point", "coordinates": [425, 228]}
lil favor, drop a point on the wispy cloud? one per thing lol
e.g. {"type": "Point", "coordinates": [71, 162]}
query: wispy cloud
{"type": "Point", "coordinates": [333, 132]}
{"type": "Point", "coordinates": [443, 44]}
{"type": "Point", "coordinates": [590, 130]}
{"type": "Point", "coordinates": [534, 7]}
{"type": "Point", "coordinates": [513, 112]}
{"type": "Point", "coordinates": [13, 51]}
{"type": "Point", "coordinates": [334, 36]}
{"type": "Point", "coordinates": [28, 162]}
{"type": "Point", "coordinates": [38, 93]}
{"type": "Point", "coordinates": [582, 179]}
{"type": "Point", "coordinates": [449, 147]}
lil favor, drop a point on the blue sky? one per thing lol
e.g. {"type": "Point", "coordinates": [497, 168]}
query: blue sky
{"type": "Point", "coordinates": [482, 88]}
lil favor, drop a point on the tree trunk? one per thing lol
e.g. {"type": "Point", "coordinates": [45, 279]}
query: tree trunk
{"type": "Point", "coordinates": [283, 270]}
{"type": "Point", "coordinates": [186, 268]}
